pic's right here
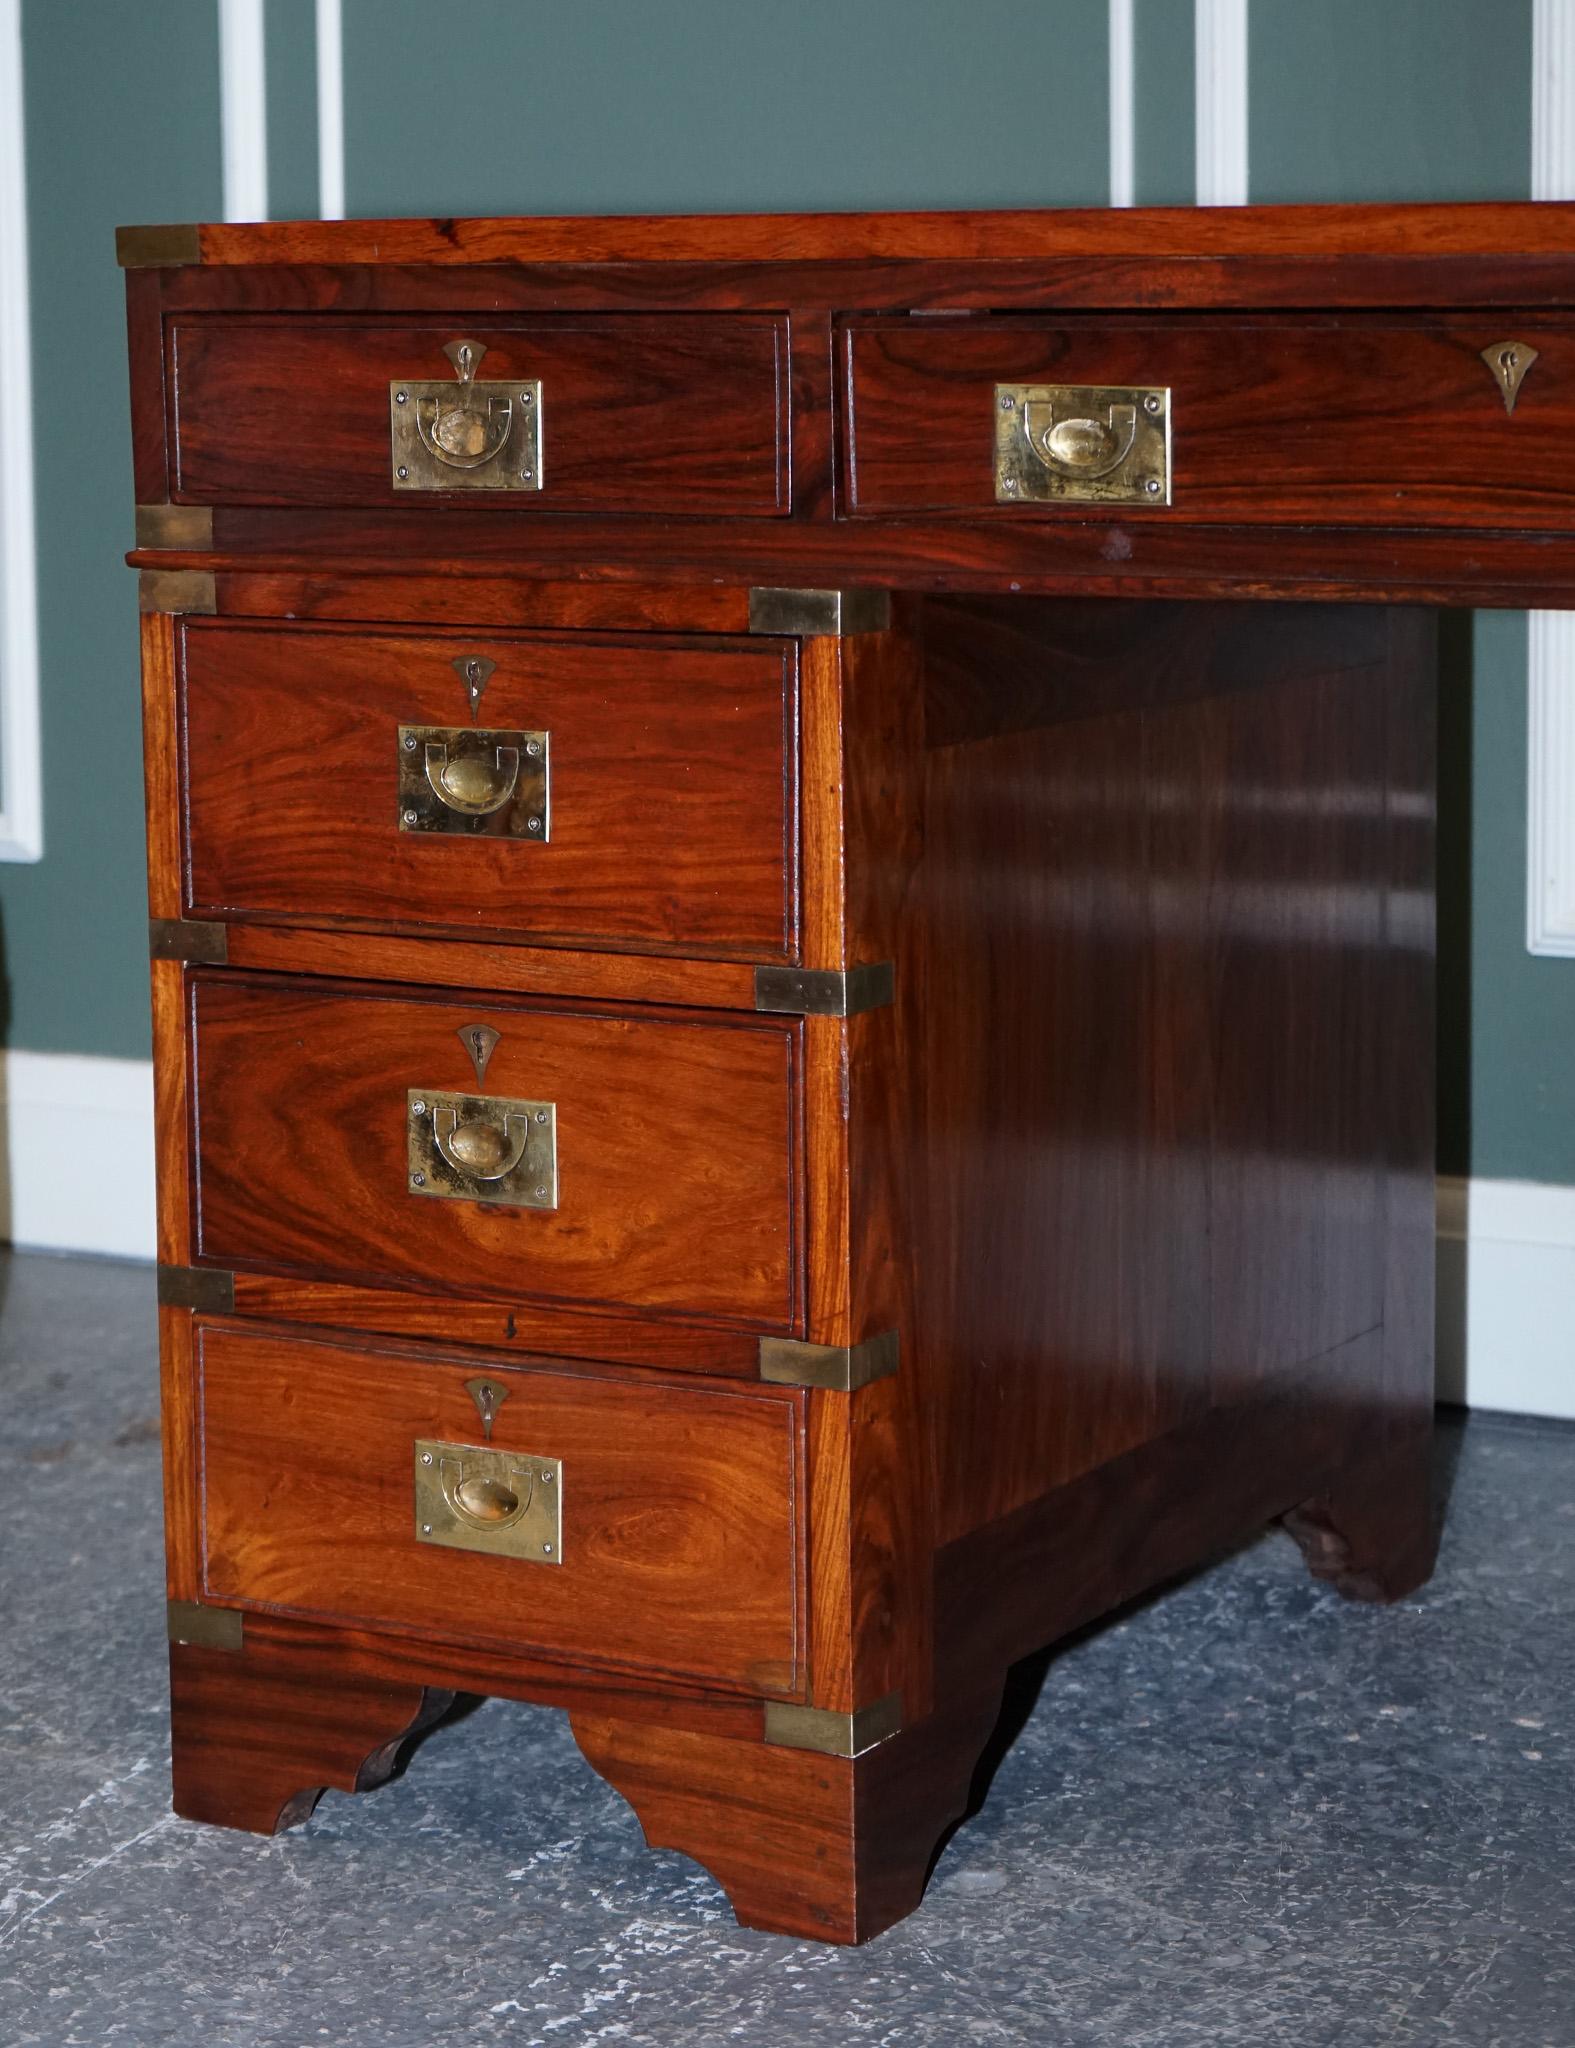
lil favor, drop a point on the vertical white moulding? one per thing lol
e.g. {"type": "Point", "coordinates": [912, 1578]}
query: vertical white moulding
{"type": "Point", "coordinates": [1550, 681]}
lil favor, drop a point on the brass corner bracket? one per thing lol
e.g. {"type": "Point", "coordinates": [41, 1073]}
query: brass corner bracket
{"type": "Point", "coordinates": [843, 1368]}
{"type": "Point", "coordinates": [188, 939]}
{"type": "Point", "coordinates": [157, 248]}
{"type": "Point", "coordinates": [803, 614]}
{"type": "Point", "coordinates": [207, 1288]}
{"type": "Point", "coordinates": [833, 1734]}
{"type": "Point", "coordinates": [825, 991]}
{"type": "Point", "coordinates": [205, 1628]}
{"type": "Point", "coordinates": [177, 590]}
{"type": "Point", "coordinates": [175, 526]}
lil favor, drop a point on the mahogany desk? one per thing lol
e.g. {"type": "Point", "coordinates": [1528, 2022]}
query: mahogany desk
{"type": "Point", "coordinates": [794, 1053]}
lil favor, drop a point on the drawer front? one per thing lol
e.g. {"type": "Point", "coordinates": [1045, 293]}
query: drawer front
{"type": "Point", "coordinates": [668, 819]}
{"type": "Point", "coordinates": [1316, 419]}
{"type": "Point", "coordinates": [635, 413]}
{"type": "Point", "coordinates": [662, 1173]}
{"type": "Point", "coordinates": [675, 1511]}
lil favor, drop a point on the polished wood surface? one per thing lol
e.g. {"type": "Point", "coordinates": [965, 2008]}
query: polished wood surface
{"type": "Point", "coordinates": [830, 1848]}
{"type": "Point", "coordinates": [258, 1740]}
{"type": "Point", "coordinates": [1133, 1176]}
{"type": "Point", "coordinates": [678, 1173]}
{"type": "Point", "coordinates": [1146, 995]}
{"type": "Point", "coordinates": [1412, 235]}
{"type": "Point", "coordinates": [674, 809]}
{"type": "Point", "coordinates": [1335, 419]}
{"type": "Point", "coordinates": [678, 1502]}
{"type": "Point", "coordinates": [637, 415]}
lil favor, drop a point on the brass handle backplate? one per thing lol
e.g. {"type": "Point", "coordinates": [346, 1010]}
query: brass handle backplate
{"type": "Point", "coordinates": [482, 1148]}
{"type": "Point", "coordinates": [502, 1503]}
{"type": "Point", "coordinates": [1082, 444]}
{"type": "Point", "coordinates": [467, 780]}
{"type": "Point", "coordinates": [468, 435]}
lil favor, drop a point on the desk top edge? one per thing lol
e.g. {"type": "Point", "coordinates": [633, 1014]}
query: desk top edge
{"type": "Point", "coordinates": [1202, 234]}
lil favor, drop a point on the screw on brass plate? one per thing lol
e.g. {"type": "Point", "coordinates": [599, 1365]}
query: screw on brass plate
{"type": "Point", "coordinates": [401, 398]}
{"type": "Point", "coordinates": [402, 472]}
{"type": "Point", "coordinates": [418, 1180]}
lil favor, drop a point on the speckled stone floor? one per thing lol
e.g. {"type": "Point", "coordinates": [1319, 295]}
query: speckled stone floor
{"type": "Point", "coordinates": [1244, 1813]}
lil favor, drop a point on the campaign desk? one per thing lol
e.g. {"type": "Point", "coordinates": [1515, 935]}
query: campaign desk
{"type": "Point", "coordinates": [792, 891]}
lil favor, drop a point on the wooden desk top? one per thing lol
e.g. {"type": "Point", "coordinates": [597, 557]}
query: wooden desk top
{"type": "Point", "coordinates": [1338, 431]}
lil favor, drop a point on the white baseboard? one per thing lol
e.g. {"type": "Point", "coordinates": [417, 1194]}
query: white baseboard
{"type": "Point", "coordinates": [1506, 1296]}
{"type": "Point", "coordinates": [79, 1154]}
{"type": "Point", "coordinates": [79, 1147]}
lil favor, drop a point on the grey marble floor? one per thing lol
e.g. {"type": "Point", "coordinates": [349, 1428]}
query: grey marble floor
{"type": "Point", "coordinates": [1244, 1813]}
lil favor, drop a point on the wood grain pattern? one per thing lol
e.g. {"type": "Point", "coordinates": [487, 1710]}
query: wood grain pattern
{"type": "Point", "coordinates": [1152, 234]}
{"type": "Point", "coordinates": [523, 1328]}
{"type": "Point", "coordinates": [677, 1150]}
{"type": "Point", "coordinates": [504, 969]}
{"type": "Point", "coordinates": [682, 1509]}
{"type": "Point", "coordinates": [827, 1848]}
{"type": "Point", "coordinates": [643, 414]}
{"type": "Point", "coordinates": [674, 806]}
{"type": "Point", "coordinates": [1341, 418]}
{"type": "Point", "coordinates": [258, 1738]}
{"type": "Point", "coordinates": [1113, 558]}
{"type": "Point", "coordinates": [1149, 1005]}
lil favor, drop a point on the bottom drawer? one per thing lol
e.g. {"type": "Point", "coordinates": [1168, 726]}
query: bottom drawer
{"type": "Point", "coordinates": [673, 1512]}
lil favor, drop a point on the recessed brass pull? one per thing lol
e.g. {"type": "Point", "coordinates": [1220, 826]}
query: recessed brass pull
{"type": "Point", "coordinates": [482, 1148]}
{"type": "Point", "coordinates": [467, 779]}
{"type": "Point", "coordinates": [467, 782]}
{"type": "Point", "coordinates": [501, 1503]}
{"type": "Point", "coordinates": [483, 1151]}
{"type": "Point", "coordinates": [1088, 444]}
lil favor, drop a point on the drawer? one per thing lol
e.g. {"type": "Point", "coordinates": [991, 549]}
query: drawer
{"type": "Point", "coordinates": [666, 1161]}
{"type": "Point", "coordinates": [1313, 418]}
{"type": "Point", "coordinates": [631, 413]}
{"type": "Point", "coordinates": [674, 1512]}
{"type": "Point", "coordinates": [339, 774]}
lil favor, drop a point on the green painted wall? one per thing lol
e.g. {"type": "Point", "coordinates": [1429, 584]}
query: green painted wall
{"type": "Point", "coordinates": [725, 105]}
{"type": "Point", "coordinates": [290, 67]}
{"type": "Point", "coordinates": [542, 105]}
{"type": "Point", "coordinates": [121, 126]}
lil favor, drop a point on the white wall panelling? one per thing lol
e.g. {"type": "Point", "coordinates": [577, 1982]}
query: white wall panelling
{"type": "Point", "coordinates": [330, 109]}
{"type": "Point", "coordinates": [21, 767]}
{"type": "Point", "coordinates": [1506, 1296]}
{"type": "Point", "coordinates": [1123, 128]}
{"type": "Point", "coordinates": [243, 109]}
{"type": "Point", "coordinates": [1550, 790]}
{"type": "Point", "coordinates": [58, 1109]}
{"type": "Point", "coordinates": [1220, 35]}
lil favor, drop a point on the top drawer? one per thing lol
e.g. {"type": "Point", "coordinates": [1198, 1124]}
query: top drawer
{"type": "Point", "coordinates": [1313, 418]}
{"type": "Point", "coordinates": [634, 413]}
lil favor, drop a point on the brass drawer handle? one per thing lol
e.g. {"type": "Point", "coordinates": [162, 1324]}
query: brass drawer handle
{"type": "Point", "coordinates": [486, 1503]}
{"type": "Point", "coordinates": [1082, 444]}
{"type": "Point", "coordinates": [482, 1148]}
{"type": "Point", "coordinates": [468, 782]}
{"type": "Point", "coordinates": [476, 1497]}
{"type": "Point", "coordinates": [466, 435]}
{"type": "Point", "coordinates": [1076, 447]}
{"type": "Point", "coordinates": [469, 779]}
